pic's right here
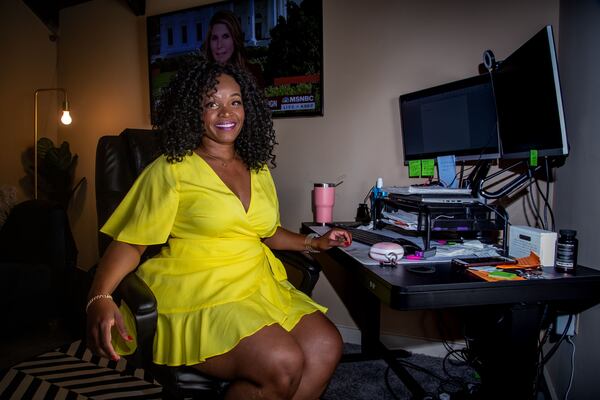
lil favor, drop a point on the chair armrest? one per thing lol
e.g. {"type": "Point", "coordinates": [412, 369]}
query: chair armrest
{"type": "Point", "coordinates": [305, 264]}
{"type": "Point", "coordinates": [142, 303]}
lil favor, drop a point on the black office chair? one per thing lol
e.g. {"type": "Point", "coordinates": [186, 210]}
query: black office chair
{"type": "Point", "coordinates": [119, 160]}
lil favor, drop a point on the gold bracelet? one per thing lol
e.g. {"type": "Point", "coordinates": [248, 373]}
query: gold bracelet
{"type": "Point", "coordinates": [96, 297]}
{"type": "Point", "coordinates": [308, 242]}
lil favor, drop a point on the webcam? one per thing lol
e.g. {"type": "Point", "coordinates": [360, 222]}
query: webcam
{"type": "Point", "coordinates": [489, 61]}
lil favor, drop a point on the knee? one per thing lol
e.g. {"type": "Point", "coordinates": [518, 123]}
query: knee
{"type": "Point", "coordinates": [326, 352]}
{"type": "Point", "coordinates": [333, 348]}
{"type": "Point", "coordinates": [284, 372]}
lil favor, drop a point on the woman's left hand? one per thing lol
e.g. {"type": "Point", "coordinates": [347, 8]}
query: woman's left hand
{"type": "Point", "coordinates": [333, 238]}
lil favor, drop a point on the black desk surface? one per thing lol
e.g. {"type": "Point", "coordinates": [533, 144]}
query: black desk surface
{"type": "Point", "coordinates": [446, 287]}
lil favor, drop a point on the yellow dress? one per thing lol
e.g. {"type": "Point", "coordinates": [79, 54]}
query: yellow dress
{"type": "Point", "coordinates": [215, 281]}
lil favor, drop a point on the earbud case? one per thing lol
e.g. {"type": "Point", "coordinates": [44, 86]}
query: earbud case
{"type": "Point", "coordinates": [386, 252]}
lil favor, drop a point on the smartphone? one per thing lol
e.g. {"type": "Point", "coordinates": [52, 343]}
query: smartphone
{"type": "Point", "coordinates": [478, 261]}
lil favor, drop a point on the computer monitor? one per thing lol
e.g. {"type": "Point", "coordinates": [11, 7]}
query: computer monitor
{"type": "Point", "coordinates": [529, 102]}
{"type": "Point", "coordinates": [456, 118]}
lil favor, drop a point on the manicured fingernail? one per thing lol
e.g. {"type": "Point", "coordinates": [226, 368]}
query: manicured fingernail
{"type": "Point", "coordinates": [129, 337]}
{"type": "Point", "coordinates": [115, 358]}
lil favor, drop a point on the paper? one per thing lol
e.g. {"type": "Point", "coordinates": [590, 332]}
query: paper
{"type": "Point", "coordinates": [414, 169]}
{"type": "Point", "coordinates": [490, 274]}
{"type": "Point", "coordinates": [447, 171]}
{"type": "Point", "coordinates": [428, 167]}
{"type": "Point", "coordinates": [531, 261]}
{"type": "Point", "coordinates": [533, 158]}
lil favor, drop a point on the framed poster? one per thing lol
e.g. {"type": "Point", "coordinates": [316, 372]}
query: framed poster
{"type": "Point", "coordinates": [282, 47]}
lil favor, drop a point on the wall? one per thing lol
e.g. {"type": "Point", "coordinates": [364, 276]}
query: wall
{"type": "Point", "coordinates": [371, 55]}
{"type": "Point", "coordinates": [28, 63]}
{"type": "Point", "coordinates": [373, 52]}
{"type": "Point", "coordinates": [576, 203]}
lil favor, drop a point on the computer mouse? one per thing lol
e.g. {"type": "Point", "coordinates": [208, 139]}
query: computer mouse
{"type": "Point", "coordinates": [386, 252]}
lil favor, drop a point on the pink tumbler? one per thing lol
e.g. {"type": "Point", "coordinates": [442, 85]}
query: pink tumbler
{"type": "Point", "coordinates": [323, 200]}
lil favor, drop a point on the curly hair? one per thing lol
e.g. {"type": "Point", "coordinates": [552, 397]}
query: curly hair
{"type": "Point", "coordinates": [180, 110]}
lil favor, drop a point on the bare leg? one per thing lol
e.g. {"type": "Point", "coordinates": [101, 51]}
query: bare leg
{"type": "Point", "coordinates": [321, 345]}
{"type": "Point", "coordinates": [266, 365]}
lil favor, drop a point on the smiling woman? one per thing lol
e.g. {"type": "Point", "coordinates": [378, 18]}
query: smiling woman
{"type": "Point", "coordinates": [225, 304]}
{"type": "Point", "coordinates": [225, 40]}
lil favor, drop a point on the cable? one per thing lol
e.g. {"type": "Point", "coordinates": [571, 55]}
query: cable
{"type": "Point", "coordinates": [541, 343]}
{"type": "Point", "coordinates": [388, 385]}
{"type": "Point", "coordinates": [570, 340]}
{"type": "Point", "coordinates": [547, 203]}
{"type": "Point", "coordinates": [368, 194]}
{"type": "Point", "coordinates": [534, 206]}
{"type": "Point", "coordinates": [548, 172]}
{"type": "Point", "coordinates": [557, 344]}
{"type": "Point", "coordinates": [497, 213]}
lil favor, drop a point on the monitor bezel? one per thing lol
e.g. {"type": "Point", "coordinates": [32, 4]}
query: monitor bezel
{"type": "Point", "coordinates": [466, 155]}
{"type": "Point", "coordinates": [563, 149]}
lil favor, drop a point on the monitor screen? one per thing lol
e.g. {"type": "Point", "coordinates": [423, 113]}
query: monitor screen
{"type": "Point", "coordinates": [457, 118]}
{"type": "Point", "coordinates": [281, 45]}
{"type": "Point", "coordinates": [529, 102]}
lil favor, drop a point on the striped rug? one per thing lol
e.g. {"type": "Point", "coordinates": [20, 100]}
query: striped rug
{"type": "Point", "coordinates": [73, 372]}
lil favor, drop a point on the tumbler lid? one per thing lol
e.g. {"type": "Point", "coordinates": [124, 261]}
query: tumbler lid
{"type": "Point", "coordinates": [324, 184]}
{"type": "Point", "coordinates": [568, 233]}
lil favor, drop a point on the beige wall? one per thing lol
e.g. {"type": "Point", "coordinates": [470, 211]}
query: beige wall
{"type": "Point", "coordinates": [28, 63]}
{"type": "Point", "coordinates": [373, 52]}
{"type": "Point", "coordinates": [371, 55]}
{"type": "Point", "coordinates": [576, 202]}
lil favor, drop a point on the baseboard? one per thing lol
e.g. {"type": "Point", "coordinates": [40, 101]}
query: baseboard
{"type": "Point", "coordinates": [433, 348]}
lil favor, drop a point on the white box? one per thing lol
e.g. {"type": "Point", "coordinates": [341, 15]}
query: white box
{"type": "Point", "coordinates": [524, 239]}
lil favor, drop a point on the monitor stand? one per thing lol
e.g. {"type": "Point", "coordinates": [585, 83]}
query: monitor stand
{"type": "Point", "coordinates": [479, 177]}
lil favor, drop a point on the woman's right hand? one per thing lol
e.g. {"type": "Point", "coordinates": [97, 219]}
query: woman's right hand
{"type": "Point", "coordinates": [102, 315]}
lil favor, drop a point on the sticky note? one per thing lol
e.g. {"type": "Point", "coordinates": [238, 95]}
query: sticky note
{"type": "Point", "coordinates": [447, 171]}
{"type": "Point", "coordinates": [533, 158]}
{"type": "Point", "coordinates": [414, 169]}
{"type": "Point", "coordinates": [428, 167]}
{"type": "Point", "coordinates": [502, 275]}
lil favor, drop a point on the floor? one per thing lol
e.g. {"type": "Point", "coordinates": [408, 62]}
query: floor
{"type": "Point", "coordinates": [26, 342]}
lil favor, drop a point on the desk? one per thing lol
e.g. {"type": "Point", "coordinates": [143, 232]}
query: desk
{"type": "Point", "coordinates": [503, 320]}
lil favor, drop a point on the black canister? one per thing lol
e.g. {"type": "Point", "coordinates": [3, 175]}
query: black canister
{"type": "Point", "coordinates": [566, 251]}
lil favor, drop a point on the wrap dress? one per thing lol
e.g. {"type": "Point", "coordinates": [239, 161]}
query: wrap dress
{"type": "Point", "coordinates": [215, 281]}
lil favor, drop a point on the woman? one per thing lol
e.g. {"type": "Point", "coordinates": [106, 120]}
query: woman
{"type": "Point", "coordinates": [225, 40]}
{"type": "Point", "coordinates": [224, 303]}
{"type": "Point", "coordinates": [225, 44]}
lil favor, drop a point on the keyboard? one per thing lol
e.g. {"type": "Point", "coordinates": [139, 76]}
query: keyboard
{"type": "Point", "coordinates": [370, 238]}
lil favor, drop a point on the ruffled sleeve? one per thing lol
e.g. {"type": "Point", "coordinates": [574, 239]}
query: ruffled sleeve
{"type": "Point", "coordinates": [146, 215]}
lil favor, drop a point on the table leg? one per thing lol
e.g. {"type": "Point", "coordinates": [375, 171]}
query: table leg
{"type": "Point", "coordinates": [368, 319]}
{"type": "Point", "coordinates": [504, 344]}
{"type": "Point", "coordinates": [365, 309]}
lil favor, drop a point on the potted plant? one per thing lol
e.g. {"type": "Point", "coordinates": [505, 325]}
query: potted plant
{"type": "Point", "coordinates": [56, 172]}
